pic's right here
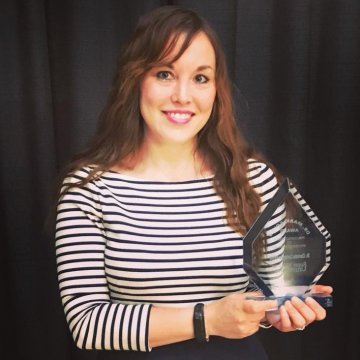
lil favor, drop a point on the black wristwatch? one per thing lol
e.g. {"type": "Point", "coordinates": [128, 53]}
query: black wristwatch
{"type": "Point", "coordinates": [199, 324]}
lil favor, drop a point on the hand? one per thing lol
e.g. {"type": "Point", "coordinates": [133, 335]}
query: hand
{"type": "Point", "coordinates": [327, 290]}
{"type": "Point", "coordinates": [296, 314]}
{"type": "Point", "coordinates": [236, 317]}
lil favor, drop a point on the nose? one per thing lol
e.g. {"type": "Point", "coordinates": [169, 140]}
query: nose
{"type": "Point", "coordinates": [181, 93]}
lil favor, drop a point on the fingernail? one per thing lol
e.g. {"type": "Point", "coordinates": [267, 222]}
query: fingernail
{"type": "Point", "coordinates": [310, 300]}
{"type": "Point", "coordinates": [296, 300]}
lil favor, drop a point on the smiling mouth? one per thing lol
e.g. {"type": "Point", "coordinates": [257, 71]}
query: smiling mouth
{"type": "Point", "coordinates": [179, 117]}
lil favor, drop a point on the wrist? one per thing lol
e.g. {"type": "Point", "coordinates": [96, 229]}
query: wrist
{"type": "Point", "coordinates": [208, 329]}
{"type": "Point", "coordinates": [199, 323]}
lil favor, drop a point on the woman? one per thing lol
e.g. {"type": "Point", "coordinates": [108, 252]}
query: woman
{"type": "Point", "coordinates": [151, 216]}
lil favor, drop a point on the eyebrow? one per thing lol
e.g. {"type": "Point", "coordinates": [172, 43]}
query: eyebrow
{"type": "Point", "coordinates": [204, 67]}
{"type": "Point", "coordinates": [199, 68]}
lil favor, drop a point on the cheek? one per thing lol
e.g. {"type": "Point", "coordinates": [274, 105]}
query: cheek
{"type": "Point", "coordinates": [145, 91]}
{"type": "Point", "coordinates": [207, 100]}
{"type": "Point", "coordinates": [151, 94]}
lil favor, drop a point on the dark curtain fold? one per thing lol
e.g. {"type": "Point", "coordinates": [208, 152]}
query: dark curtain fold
{"type": "Point", "coordinates": [296, 72]}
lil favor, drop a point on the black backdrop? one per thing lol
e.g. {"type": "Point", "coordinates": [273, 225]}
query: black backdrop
{"type": "Point", "coordinates": [296, 64]}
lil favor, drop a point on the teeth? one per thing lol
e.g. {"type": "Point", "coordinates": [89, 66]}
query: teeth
{"type": "Point", "coordinates": [179, 116]}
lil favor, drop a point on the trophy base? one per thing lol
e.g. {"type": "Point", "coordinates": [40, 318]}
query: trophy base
{"type": "Point", "coordinates": [325, 300]}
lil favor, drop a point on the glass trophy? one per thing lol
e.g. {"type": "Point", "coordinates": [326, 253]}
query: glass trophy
{"type": "Point", "coordinates": [287, 249]}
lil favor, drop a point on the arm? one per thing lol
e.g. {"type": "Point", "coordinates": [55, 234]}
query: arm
{"type": "Point", "coordinates": [94, 321]}
{"type": "Point", "coordinates": [231, 317]}
{"type": "Point", "coordinates": [98, 323]}
{"type": "Point", "coordinates": [270, 268]}
{"type": "Point", "coordinates": [296, 313]}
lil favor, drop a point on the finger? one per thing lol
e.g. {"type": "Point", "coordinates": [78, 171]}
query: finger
{"type": "Point", "coordinates": [307, 312]}
{"type": "Point", "coordinates": [273, 316]}
{"type": "Point", "coordinates": [252, 293]}
{"type": "Point", "coordinates": [285, 321]}
{"type": "Point", "coordinates": [297, 320]}
{"type": "Point", "coordinates": [320, 312]}
{"type": "Point", "coordinates": [322, 289]}
{"type": "Point", "coordinates": [259, 306]}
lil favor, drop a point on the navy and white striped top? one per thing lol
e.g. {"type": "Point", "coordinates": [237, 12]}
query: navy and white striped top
{"type": "Point", "coordinates": [123, 244]}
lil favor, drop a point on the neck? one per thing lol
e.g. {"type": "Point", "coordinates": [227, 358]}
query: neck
{"type": "Point", "coordinates": [173, 162]}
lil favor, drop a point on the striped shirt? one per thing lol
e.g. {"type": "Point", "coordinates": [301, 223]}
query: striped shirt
{"type": "Point", "coordinates": [123, 244]}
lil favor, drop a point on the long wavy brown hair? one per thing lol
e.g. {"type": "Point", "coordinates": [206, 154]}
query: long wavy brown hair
{"type": "Point", "coordinates": [120, 131]}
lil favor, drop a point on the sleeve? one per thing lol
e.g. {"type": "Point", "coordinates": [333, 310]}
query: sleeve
{"type": "Point", "coordinates": [263, 180]}
{"type": "Point", "coordinates": [94, 320]}
{"type": "Point", "coordinates": [320, 227]}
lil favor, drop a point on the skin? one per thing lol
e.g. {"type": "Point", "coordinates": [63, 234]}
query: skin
{"type": "Point", "coordinates": [176, 101]}
{"type": "Point", "coordinates": [186, 87]}
{"type": "Point", "coordinates": [296, 313]}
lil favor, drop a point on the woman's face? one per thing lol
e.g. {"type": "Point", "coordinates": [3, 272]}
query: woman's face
{"type": "Point", "coordinates": [176, 100]}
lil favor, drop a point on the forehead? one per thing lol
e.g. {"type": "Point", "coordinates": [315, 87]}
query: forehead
{"type": "Point", "coordinates": [197, 49]}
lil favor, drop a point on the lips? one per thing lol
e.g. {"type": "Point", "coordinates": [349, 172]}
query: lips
{"type": "Point", "coordinates": [180, 117]}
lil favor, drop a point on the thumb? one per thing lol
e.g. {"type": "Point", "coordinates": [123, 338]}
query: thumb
{"type": "Point", "coordinates": [254, 306]}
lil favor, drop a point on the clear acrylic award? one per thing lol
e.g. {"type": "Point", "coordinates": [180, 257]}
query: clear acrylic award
{"type": "Point", "coordinates": [294, 249]}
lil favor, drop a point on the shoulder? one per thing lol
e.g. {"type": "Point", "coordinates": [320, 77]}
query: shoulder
{"type": "Point", "coordinates": [80, 181]}
{"type": "Point", "coordinates": [79, 197]}
{"type": "Point", "coordinates": [262, 178]}
{"type": "Point", "coordinates": [77, 175]}
{"type": "Point", "coordinates": [259, 172]}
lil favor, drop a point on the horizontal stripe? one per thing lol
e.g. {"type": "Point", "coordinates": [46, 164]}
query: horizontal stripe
{"type": "Point", "coordinates": [123, 244]}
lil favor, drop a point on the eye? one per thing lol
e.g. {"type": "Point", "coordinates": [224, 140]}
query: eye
{"type": "Point", "coordinates": [201, 79]}
{"type": "Point", "coordinates": [163, 75]}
